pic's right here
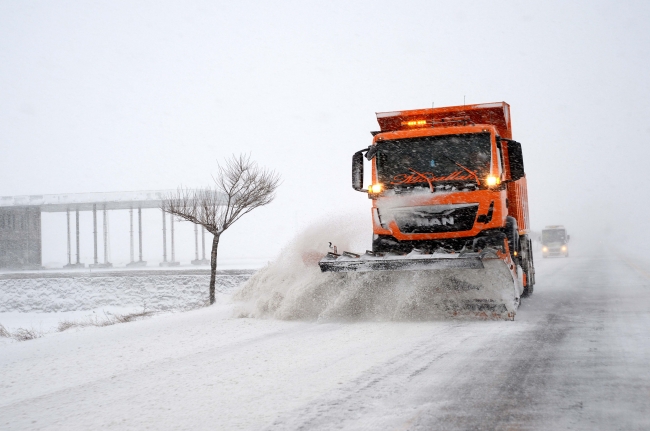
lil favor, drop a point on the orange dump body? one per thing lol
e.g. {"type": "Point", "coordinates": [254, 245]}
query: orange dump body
{"type": "Point", "coordinates": [495, 203]}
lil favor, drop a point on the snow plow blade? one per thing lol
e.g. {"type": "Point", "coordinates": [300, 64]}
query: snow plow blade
{"type": "Point", "coordinates": [483, 284]}
{"type": "Point", "coordinates": [396, 263]}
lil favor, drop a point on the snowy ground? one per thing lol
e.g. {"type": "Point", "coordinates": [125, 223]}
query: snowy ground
{"type": "Point", "coordinates": [576, 357]}
{"type": "Point", "coordinates": [41, 297]}
{"type": "Point", "coordinates": [45, 323]}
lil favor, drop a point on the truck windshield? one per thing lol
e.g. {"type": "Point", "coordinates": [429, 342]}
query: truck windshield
{"type": "Point", "coordinates": [446, 158]}
{"type": "Point", "coordinates": [553, 235]}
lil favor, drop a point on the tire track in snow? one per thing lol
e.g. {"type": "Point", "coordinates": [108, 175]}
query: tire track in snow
{"type": "Point", "coordinates": [350, 402]}
{"type": "Point", "coordinates": [534, 388]}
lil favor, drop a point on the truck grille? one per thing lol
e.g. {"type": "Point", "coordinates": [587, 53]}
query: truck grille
{"type": "Point", "coordinates": [439, 218]}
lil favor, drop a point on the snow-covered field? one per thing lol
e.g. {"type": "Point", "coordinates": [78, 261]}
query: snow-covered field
{"type": "Point", "coordinates": [40, 301]}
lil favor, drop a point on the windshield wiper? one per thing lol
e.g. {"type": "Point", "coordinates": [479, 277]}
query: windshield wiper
{"type": "Point", "coordinates": [472, 173]}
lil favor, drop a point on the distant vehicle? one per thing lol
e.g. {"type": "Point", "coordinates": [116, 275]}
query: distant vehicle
{"type": "Point", "coordinates": [555, 241]}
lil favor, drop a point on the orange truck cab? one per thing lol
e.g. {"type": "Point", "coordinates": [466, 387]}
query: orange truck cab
{"type": "Point", "coordinates": [447, 178]}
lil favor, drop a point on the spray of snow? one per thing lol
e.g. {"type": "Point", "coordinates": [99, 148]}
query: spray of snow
{"type": "Point", "coordinates": [293, 286]}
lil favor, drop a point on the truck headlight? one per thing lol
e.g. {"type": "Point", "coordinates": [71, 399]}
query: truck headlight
{"type": "Point", "coordinates": [491, 180]}
{"type": "Point", "coordinates": [376, 188]}
{"type": "Point", "coordinates": [544, 248]}
{"type": "Point", "coordinates": [564, 248]}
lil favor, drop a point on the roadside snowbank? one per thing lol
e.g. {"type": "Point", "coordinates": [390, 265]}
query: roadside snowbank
{"type": "Point", "coordinates": [157, 291]}
{"type": "Point", "coordinates": [48, 322]}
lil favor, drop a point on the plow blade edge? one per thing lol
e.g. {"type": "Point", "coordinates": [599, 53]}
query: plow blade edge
{"type": "Point", "coordinates": [338, 265]}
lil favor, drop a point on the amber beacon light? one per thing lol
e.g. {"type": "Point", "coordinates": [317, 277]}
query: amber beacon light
{"type": "Point", "coordinates": [414, 123]}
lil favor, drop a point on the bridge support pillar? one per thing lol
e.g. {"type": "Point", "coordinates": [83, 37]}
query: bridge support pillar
{"type": "Point", "coordinates": [202, 261]}
{"type": "Point", "coordinates": [106, 264]}
{"type": "Point", "coordinates": [78, 264]}
{"type": "Point", "coordinates": [131, 232]}
{"type": "Point", "coordinates": [67, 214]}
{"type": "Point", "coordinates": [203, 243]}
{"type": "Point", "coordinates": [140, 262]}
{"type": "Point", "coordinates": [172, 262]}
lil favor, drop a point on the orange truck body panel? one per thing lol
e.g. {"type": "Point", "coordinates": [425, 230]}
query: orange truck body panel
{"type": "Point", "coordinates": [509, 199]}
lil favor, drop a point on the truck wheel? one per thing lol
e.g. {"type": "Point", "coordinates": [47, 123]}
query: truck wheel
{"type": "Point", "coordinates": [526, 256]}
{"type": "Point", "coordinates": [532, 261]}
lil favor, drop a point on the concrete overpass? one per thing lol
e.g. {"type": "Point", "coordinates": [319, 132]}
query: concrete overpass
{"type": "Point", "coordinates": [20, 226]}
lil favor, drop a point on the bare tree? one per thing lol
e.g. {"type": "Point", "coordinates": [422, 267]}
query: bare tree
{"type": "Point", "coordinates": [239, 187]}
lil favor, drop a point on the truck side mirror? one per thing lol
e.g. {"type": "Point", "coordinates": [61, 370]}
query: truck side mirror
{"type": "Point", "coordinates": [516, 160]}
{"type": "Point", "coordinates": [357, 171]}
{"type": "Point", "coordinates": [568, 238]}
{"type": "Point", "coordinates": [372, 152]}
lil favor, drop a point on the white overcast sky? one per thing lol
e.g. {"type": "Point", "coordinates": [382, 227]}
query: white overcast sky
{"type": "Point", "coordinates": [137, 95]}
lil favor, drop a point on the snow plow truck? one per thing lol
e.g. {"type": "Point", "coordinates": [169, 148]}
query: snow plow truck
{"type": "Point", "coordinates": [449, 209]}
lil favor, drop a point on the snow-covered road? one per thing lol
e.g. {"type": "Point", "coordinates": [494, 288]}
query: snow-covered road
{"type": "Point", "coordinates": [576, 357]}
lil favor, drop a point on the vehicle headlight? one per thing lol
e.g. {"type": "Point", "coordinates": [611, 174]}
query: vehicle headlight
{"type": "Point", "coordinates": [564, 248]}
{"type": "Point", "coordinates": [376, 188]}
{"type": "Point", "coordinates": [544, 248]}
{"type": "Point", "coordinates": [491, 180]}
